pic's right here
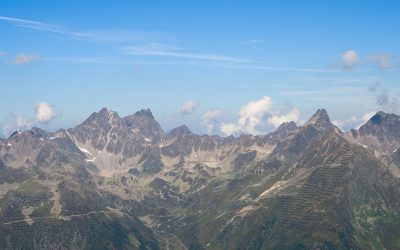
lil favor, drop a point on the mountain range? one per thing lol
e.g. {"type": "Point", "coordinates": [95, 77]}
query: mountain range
{"type": "Point", "coordinates": [123, 183]}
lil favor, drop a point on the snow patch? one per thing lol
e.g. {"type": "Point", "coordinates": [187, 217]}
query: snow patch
{"type": "Point", "coordinates": [84, 150]}
{"type": "Point", "coordinates": [9, 144]}
{"type": "Point", "coordinates": [41, 139]}
{"type": "Point", "coordinates": [147, 139]}
{"type": "Point", "coordinates": [91, 160]}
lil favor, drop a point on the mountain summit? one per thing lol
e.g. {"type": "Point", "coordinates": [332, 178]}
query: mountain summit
{"type": "Point", "coordinates": [144, 113]}
{"type": "Point", "coordinates": [143, 124]}
{"type": "Point", "coordinates": [122, 183]}
{"type": "Point", "coordinates": [181, 130]}
{"type": "Point", "coordinates": [320, 120]}
{"type": "Point", "coordinates": [381, 133]}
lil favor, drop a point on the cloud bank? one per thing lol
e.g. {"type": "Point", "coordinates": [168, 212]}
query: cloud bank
{"type": "Point", "coordinates": [258, 114]}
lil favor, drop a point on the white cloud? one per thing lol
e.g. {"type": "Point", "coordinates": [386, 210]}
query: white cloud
{"type": "Point", "coordinates": [23, 122]}
{"type": "Point", "coordinates": [277, 119]}
{"type": "Point", "coordinates": [105, 35]}
{"type": "Point", "coordinates": [346, 123]}
{"type": "Point", "coordinates": [210, 118]}
{"type": "Point", "coordinates": [25, 58]}
{"type": "Point", "coordinates": [7, 129]}
{"type": "Point", "coordinates": [256, 115]}
{"type": "Point", "coordinates": [353, 121]}
{"type": "Point", "coordinates": [250, 116]}
{"type": "Point", "coordinates": [2, 53]}
{"type": "Point", "coordinates": [383, 61]}
{"type": "Point", "coordinates": [349, 59]}
{"type": "Point", "coordinates": [155, 49]}
{"type": "Point", "coordinates": [189, 107]}
{"type": "Point", "coordinates": [45, 113]}
{"type": "Point", "coordinates": [229, 128]}
{"type": "Point", "coordinates": [386, 99]}
{"type": "Point", "coordinates": [20, 123]}
{"type": "Point", "coordinates": [367, 116]}
{"type": "Point", "coordinates": [27, 23]}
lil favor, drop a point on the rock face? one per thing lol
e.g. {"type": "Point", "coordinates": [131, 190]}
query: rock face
{"type": "Point", "coordinates": [283, 131]}
{"type": "Point", "coordinates": [122, 183]}
{"type": "Point", "coordinates": [113, 143]}
{"type": "Point", "coordinates": [380, 133]}
{"type": "Point", "coordinates": [320, 120]}
{"type": "Point", "coordinates": [143, 123]}
{"type": "Point", "coordinates": [316, 190]}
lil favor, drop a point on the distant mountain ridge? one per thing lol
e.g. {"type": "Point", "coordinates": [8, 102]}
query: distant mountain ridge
{"type": "Point", "coordinates": [124, 183]}
{"type": "Point", "coordinates": [380, 132]}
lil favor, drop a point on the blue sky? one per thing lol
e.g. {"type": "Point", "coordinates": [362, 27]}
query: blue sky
{"type": "Point", "coordinates": [218, 66]}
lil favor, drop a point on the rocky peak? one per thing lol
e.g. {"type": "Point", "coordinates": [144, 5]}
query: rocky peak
{"type": "Point", "coordinates": [144, 113]}
{"type": "Point", "coordinates": [383, 124]}
{"type": "Point", "coordinates": [14, 134]}
{"type": "Point", "coordinates": [385, 119]}
{"type": "Point", "coordinates": [107, 112]}
{"type": "Point", "coordinates": [141, 116]}
{"type": "Point", "coordinates": [96, 128]}
{"type": "Point", "coordinates": [385, 128]}
{"type": "Point", "coordinates": [287, 127]}
{"type": "Point", "coordinates": [181, 130]}
{"type": "Point", "coordinates": [31, 133]}
{"type": "Point", "coordinates": [381, 133]}
{"type": "Point", "coordinates": [39, 132]}
{"type": "Point", "coordinates": [282, 132]}
{"type": "Point", "coordinates": [144, 123]}
{"type": "Point", "coordinates": [320, 120]}
{"type": "Point", "coordinates": [104, 116]}
{"type": "Point", "coordinates": [378, 118]}
{"type": "Point", "coordinates": [27, 141]}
